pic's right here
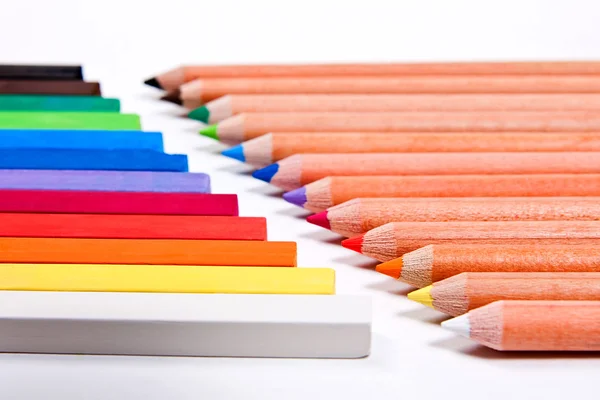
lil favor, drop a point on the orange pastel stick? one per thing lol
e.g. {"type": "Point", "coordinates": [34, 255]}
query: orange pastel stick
{"type": "Point", "coordinates": [517, 325]}
{"type": "Point", "coordinates": [394, 239]}
{"type": "Point", "coordinates": [469, 290]}
{"type": "Point", "coordinates": [361, 215]}
{"type": "Point", "coordinates": [174, 78]}
{"type": "Point", "coordinates": [204, 90]}
{"type": "Point", "coordinates": [147, 251]}
{"type": "Point", "coordinates": [301, 169]}
{"type": "Point", "coordinates": [328, 192]}
{"type": "Point", "coordinates": [227, 106]}
{"type": "Point", "coordinates": [272, 147]}
{"type": "Point", "coordinates": [433, 263]}
{"type": "Point", "coordinates": [248, 126]}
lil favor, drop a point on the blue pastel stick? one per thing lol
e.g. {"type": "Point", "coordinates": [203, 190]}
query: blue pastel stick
{"type": "Point", "coordinates": [78, 139]}
{"type": "Point", "coordinates": [109, 160]}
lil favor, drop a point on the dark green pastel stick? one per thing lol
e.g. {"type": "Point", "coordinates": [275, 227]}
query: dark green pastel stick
{"type": "Point", "coordinates": [69, 120]}
{"type": "Point", "coordinates": [10, 102]}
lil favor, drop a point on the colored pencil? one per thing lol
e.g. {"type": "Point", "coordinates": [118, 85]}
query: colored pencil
{"type": "Point", "coordinates": [248, 126]}
{"type": "Point", "coordinates": [301, 169]}
{"type": "Point", "coordinates": [80, 139]}
{"type": "Point", "coordinates": [41, 87]}
{"type": "Point", "coordinates": [41, 72]}
{"type": "Point", "coordinates": [166, 279]}
{"type": "Point", "coordinates": [227, 106]}
{"type": "Point", "coordinates": [109, 226]}
{"type": "Point", "coordinates": [13, 102]}
{"type": "Point", "coordinates": [433, 263]}
{"type": "Point", "coordinates": [200, 91]}
{"type": "Point", "coordinates": [111, 181]}
{"type": "Point", "coordinates": [359, 216]}
{"type": "Point", "coordinates": [174, 78]}
{"type": "Point", "coordinates": [395, 239]}
{"type": "Point", "coordinates": [532, 325]}
{"type": "Point", "coordinates": [328, 192]}
{"type": "Point", "coordinates": [148, 251]}
{"type": "Point", "coordinates": [273, 147]}
{"type": "Point", "coordinates": [470, 290]}
{"type": "Point", "coordinates": [69, 120]}
{"type": "Point", "coordinates": [92, 159]}
{"type": "Point", "coordinates": [103, 202]}
{"type": "Point", "coordinates": [228, 325]}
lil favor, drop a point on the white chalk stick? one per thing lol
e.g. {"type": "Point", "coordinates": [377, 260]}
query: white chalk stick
{"type": "Point", "coordinates": [163, 324]}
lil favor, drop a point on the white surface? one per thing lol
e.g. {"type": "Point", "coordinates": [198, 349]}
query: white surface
{"type": "Point", "coordinates": [166, 324]}
{"type": "Point", "coordinates": [124, 42]}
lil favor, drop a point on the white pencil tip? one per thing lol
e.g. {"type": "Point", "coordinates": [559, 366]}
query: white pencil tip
{"type": "Point", "coordinates": [459, 325]}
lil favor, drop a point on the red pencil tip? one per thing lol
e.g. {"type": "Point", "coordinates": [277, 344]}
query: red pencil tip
{"type": "Point", "coordinates": [320, 219]}
{"type": "Point", "coordinates": [354, 243]}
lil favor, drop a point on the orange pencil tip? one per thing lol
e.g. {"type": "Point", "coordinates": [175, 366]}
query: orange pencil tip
{"type": "Point", "coordinates": [354, 243]}
{"type": "Point", "coordinates": [391, 268]}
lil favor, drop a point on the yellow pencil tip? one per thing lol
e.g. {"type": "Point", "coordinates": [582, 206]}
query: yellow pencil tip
{"type": "Point", "coordinates": [422, 296]}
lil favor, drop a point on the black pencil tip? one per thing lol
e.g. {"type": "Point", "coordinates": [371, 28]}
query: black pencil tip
{"type": "Point", "coordinates": [153, 82]}
{"type": "Point", "coordinates": [173, 97]}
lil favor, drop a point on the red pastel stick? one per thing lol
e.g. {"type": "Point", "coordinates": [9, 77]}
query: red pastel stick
{"type": "Point", "coordinates": [96, 202]}
{"type": "Point", "coordinates": [110, 226]}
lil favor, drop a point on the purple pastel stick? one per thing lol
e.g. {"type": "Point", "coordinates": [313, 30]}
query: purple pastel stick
{"type": "Point", "coordinates": [108, 181]}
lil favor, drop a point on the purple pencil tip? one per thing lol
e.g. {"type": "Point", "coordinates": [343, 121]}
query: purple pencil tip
{"type": "Point", "coordinates": [297, 197]}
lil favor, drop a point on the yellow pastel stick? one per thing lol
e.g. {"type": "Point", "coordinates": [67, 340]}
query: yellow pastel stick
{"type": "Point", "coordinates": [166, 279]}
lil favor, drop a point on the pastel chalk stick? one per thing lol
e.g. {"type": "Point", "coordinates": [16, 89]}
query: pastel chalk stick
{"type": "Point", "coordinates": [15, 102]}
{"type": "Point", "coordinates": [108, 160]}
{"type": "Point", "coordinates": [69, 120]}
{"type": "Point", "coordinates": [119, 181]}
{"type": "Point", "coordinates": [157, 324]}
{"type": "Point", "coordinates": [80, 139]}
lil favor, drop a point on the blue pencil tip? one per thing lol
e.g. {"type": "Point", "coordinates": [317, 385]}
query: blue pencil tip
{"type": "Point", "coordinates": [236, 152]}
{"type": "Point", "coordinates": [266, 173]}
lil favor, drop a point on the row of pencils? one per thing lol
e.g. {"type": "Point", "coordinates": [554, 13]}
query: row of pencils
{"type": "Point", "coordinates": [478, 183]}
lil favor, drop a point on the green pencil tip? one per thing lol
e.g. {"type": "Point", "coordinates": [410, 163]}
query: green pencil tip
{"type": "Point", "coordinates": [210, 131]}
{"type": "Point", "coordinates": [200, 114]}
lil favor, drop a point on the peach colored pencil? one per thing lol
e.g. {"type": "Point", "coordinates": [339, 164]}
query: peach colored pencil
{"type": "Point", "coordinates": [227, 106]}
{"type": "Point", "coordinates": [174, 78]}
{"type": "Point", "coordinates": [470, 290]}
{"type": "Point", "coordinates": [273, 147]}
{"type": "Point", "coordinates": [328, 192]}
{"type": "Point", "coordinates": [517, 325]}
{"type": "Point", "coordinates": [301, 169]}
{"type": "Point", "coordinates": [248, 126]}
{"type": "Point", "coordinates": [394, 239]}
{"type": "Point", "coordinates": [361, 215]}
{"type": "Point", "coordinates": [200, 91]}
{"type": "Point", "coordinates": [433, 263]}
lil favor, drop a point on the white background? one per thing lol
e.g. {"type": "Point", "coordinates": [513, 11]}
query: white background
{"type": "Point", "coordinates": [123, 42]}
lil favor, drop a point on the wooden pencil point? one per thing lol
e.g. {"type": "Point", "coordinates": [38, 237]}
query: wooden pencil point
{"type": "Point", "coordinates": [422, 296]}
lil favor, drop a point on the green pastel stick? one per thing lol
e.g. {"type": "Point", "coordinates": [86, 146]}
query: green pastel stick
{"type": "Point", "coordinates": [69, 120]}
{"type": "Point", "coordinates": [10, 102]}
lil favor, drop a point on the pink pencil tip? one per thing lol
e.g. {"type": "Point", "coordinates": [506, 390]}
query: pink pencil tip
{"type": "Point", "coordinates": [354, 243]}
{"type": "Point", "coordinates": [320, 219]}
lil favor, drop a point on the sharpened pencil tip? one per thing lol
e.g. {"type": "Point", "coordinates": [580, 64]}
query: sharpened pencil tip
{"type": "Point", "coordinates": [297, 197]}
{"type": "Point", "coordinates": [210, 131]}
{"type": "Point", "coordinates": [422, 296]}
{"type": "Point", "coordinates": [236, 152]}
{"type": "Point", "coordinates": [391, 268]}
{"type": "Point", "coordinates": [354, 243]}
{"type": "Point", "coordinates": [153, 82]}
{"type": "Point", "coordinates": [320, 219]}
{"type": "Point", "coordinates": [200, 114]}
{"type": "Point", "coordinates": [266, 173]}
{"type": "Point", "coordinates": [173, 97]}
{"type": "Point", "coordinates": [460, 325]}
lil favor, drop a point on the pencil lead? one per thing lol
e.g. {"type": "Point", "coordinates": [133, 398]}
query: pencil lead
{"type": "Point", "coordinates": [391, 268]}
{"type": "Point", "coordinates": [296, 196]}
{"type": "Point", "coordinates": [200, 114]}
{"type": "Point", "coordinates": [460, 325]}
{"type": "Point", "coordinates": [173, 97]}
{"type": "Point", "coordinates": [320, 219]}
{"type": "Point", "coordinates": [236, 152]}
{"type": "Point", "coordinates": [354, 243]}
{"type": "Point", "coordinates": [422, 296]}
{"type": "Point", "coordinates": [210, 131]}
{"type": "Point", "coordinates": [153, 82]}
{"type": "Point", "coordinates": [266, 173]}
